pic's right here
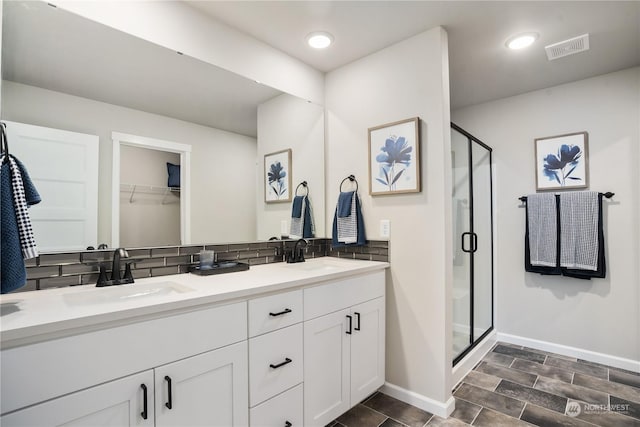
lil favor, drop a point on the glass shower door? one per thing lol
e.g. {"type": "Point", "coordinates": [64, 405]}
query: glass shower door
{"type": "Point", "coordinates": [461, 261]}
{"type": "Point", "coordinates": [472, 243]}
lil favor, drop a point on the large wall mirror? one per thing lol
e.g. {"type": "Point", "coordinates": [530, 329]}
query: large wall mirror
{"type": "Point", "coordinates": [64, 72]}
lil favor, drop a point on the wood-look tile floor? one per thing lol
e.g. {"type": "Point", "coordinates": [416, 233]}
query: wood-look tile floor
{"type": "Point", "coordinates": [519, 386]}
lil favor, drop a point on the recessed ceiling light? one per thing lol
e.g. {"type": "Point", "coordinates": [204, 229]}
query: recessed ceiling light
{"type": "Point", "coordinates": [521, 41]}
{"type": "Point", "coordinates": [319, 39]}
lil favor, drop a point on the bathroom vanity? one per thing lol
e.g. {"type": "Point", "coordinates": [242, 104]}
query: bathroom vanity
{"type": "Point", "coordinates": [278, 345]}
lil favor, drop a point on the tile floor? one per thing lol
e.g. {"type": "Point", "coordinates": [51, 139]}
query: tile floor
{"type": "Point", "coordinates": [516, 386]}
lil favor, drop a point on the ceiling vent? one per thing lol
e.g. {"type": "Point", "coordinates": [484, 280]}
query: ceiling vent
{"type": "Point", "coordinates": [567, 47]}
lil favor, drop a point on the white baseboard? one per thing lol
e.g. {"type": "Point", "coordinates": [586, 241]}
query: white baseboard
{"type": "Point", "coordinates": [441, 409]}
{"type": "Point", "coordinates": [592, 356]}
{"type": "Point", "coordinates": [465, 366]}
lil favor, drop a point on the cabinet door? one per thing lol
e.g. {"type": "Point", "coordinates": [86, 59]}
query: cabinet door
{"type": "Point", "coordinates": [114, 404]}
{"type": "Point", "coordinates": [208, 389]}
{"type": "Point", "coordinates": [326, 368]}
{"type": "Point", "coordinates": [367, 349]}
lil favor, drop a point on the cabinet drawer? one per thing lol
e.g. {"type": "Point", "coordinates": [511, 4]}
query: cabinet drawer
{"type": "Point", "coordinates": [275, 363]}
{"type": "Point", "coordinates": [341, 294]}
{"type": "Point", "coordinates": [274, 312]}
{"type": "Point", "coordinates": [279, 410]}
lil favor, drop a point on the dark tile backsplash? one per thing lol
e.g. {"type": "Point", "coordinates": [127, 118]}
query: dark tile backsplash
{"type": "Point", "coordinates": [55, 270]}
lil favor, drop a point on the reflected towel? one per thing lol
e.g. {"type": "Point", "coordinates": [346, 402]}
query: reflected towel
{"type": "Point", "coordinates": [17, 192]}
{"type": "Point", "coordinates": [579, 218]}
{"type": "Point", "coordinates": [543, 230]}
{"type": "Point", "coordinates": [302, 226]}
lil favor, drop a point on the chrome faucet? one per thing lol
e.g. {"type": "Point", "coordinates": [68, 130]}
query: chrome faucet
{"type": "Point", "coordinates": [116, 279]}
{"type": "Point", "coordinates": [297, 254]}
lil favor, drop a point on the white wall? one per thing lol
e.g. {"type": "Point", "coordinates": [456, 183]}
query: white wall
{"type": "Point", "coordinates": [289, 122]}
{"type": "Point", "coordinates": [148, 217]}
{"type": "Point", "coordinates": [405, 80]}
{"type": "Point", "coordinates": [601, 315]}
{"type": "Point", "coordinates": [179, 27]}
{"type": "Point", "coordinates": [223, 171]}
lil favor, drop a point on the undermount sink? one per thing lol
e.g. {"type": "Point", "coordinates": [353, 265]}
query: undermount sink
{"type": "Point", "coordinates": [122, 293]}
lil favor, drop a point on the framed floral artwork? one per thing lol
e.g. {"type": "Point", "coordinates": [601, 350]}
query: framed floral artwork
{"type": "Point", "coordinates": [394, 158]}
{"type": "Point", "coordinates": [277, 177]}
{"type": "Point", "coordinates": [562, 162]}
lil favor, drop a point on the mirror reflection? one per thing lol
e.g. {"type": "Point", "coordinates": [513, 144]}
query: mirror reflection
{"type": "Point", "coordinates": [62, 72]}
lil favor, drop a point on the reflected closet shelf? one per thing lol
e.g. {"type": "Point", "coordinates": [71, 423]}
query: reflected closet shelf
{"type": "Point", "coordinates": [165, 192]}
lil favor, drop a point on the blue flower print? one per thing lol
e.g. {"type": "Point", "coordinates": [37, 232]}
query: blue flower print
{"type": "Point", "coordinates": [568, 156]}
{"type": "Point", "coordinates": [395, 153]}
{"type": "Point", "coordinates": [276, 177]}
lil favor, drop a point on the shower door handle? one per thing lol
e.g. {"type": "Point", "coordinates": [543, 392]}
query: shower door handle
{"type": "Point", "coordinates": [473, 241]}
{"type": "Point", "coordinates": [462, 241]}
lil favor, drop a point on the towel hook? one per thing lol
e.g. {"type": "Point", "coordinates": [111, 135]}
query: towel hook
{"type": "Point", "coordinates": [303, 184]}
{"type": "Point", "coordinates": [350, 178]}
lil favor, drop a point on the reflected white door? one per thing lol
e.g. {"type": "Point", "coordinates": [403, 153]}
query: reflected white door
{"type": "Point", "coordinates": [63, 166]}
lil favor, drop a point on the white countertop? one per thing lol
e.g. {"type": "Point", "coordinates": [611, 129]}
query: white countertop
{"type": "Point", "coordinates": [28, 317]}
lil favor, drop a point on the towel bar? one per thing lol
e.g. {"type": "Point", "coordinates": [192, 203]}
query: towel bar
{"type": "Point", "coordinates": [608, 195]}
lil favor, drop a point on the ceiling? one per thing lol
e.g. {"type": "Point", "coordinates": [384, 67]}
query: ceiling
{"type": "Point", "coordinates": [53, 49]}
{"type": "Point", "coordinates": [481, 68]}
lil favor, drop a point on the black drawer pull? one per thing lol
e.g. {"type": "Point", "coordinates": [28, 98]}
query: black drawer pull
{"type": "Point", "coordinates": [350, 324]}
{"type": "Point", "coordinates": [169, 403]}
{"type": "Point", "coordinates": [287, 424]}
{"type": "Point", "coordinates": [144, 413]}
{"type": "Point", "coordinates": [357, 328]}
{"type": "Point", "coordinates": [285, 311]}
{"type": "Point", "coordinates": [286, 361]}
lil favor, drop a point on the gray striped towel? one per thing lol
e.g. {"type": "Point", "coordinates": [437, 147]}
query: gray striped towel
{"type": "Point", "coordinates": [25, 231]}
{"type": "Point", "coordinates": [579, 217]}
{"type": "Point", "coordinates": [543, 229]}
{"type": "Point", "coordinates": [348, 225]}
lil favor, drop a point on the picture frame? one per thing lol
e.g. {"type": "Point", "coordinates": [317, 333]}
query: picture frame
{"type": "Point", "coordinates": [562, 162]}
{"type": "Point", "coordinates": [277, 177]}
{"type": "Point", "coordinates": [394, 158]}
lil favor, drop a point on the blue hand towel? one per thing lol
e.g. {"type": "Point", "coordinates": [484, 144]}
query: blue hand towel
{"type": "Point", "coordinates": [296, 209]}
{"type": "Point", "coordinates": [344, 204]}
{"type": "Point", "coordinates": [12, 272]}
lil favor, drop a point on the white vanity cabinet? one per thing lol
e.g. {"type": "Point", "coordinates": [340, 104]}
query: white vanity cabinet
{"type": "Point", "coordinates": [344, 339]}
{"type": "Point", "coordinates": [207, 365]}
{"type": "Point", "coordinates": [295, 354]}
{"type": "Point", "coordinates": [124, 402]}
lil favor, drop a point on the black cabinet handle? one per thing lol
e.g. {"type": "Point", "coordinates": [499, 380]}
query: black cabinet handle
{"type": "Point", "coordinates": [350, 324]}
{"type": "Point", "coordinates": [357, 328]}
{"type": "Point", "coordinates": [474, 242]}
{"type": "Point", "coordinates": [144, 413]}
{"type": "Point", "coordinates": [286, 361]}
{"type": "Point", "coordinates": [287, 424]}
{"type": "Point", "coordinates": [169, 403]}
{"type": "Point", "coordinates": [285, 311]}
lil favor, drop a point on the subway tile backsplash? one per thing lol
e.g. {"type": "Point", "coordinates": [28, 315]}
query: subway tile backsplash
{"type": "Point", "coordinates": [55, 270]}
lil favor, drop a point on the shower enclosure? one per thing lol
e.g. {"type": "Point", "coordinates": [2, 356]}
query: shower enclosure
{"type": "Point", "coordinates": [473, 241]}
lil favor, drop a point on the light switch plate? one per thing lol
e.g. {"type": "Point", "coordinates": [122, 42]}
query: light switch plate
{"type": "Point", "coordinates": [385, 228]}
